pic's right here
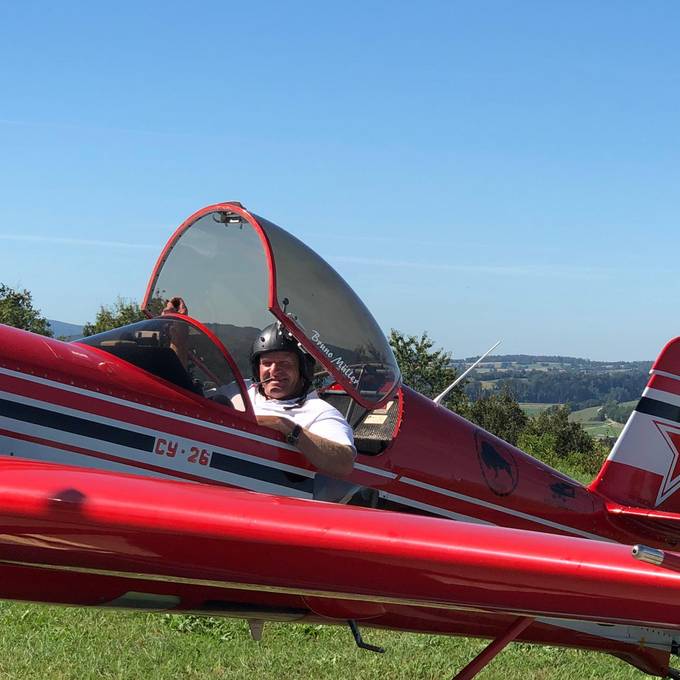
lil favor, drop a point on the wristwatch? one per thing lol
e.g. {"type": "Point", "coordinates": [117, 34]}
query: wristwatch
{"type": "Point", "coordinates": [294, 435]}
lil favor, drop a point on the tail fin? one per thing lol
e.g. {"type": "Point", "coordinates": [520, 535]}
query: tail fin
{"type": "Point", "coordinates": [643, 469]}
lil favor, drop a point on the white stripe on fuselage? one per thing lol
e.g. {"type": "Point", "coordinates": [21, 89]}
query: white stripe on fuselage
{"type": "Point", "coordinates": [665, 374]}
{"type": "Point", "coordinates": [657, 638]}
{"type": "Point", "coordinates": [84, 441]}
{"type": "Point", "coordinates": [660, 395]}
{"type": "Point", "coordinates": [98, 396]}
{"type": "Point", "coordinates": [131, 458]}
{"type": "Point", "coordinates": [499, 508]}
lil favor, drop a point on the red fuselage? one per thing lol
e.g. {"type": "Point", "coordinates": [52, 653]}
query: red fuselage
{"type": "Point", "coordinates": [74, 404]}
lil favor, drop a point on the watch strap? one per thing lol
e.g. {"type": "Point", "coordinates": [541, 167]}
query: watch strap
{"type": "Point", "coordinates": [293, 436]}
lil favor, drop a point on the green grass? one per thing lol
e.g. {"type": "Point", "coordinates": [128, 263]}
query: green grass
{"type": "Point", "coordinates": [60, 643]}
{"type": "Point", "coordinates": [599, 429]}
{"type": "Point", "coordinates": [590, 414]}
{"type": "Point", "coordinates": [587, 417]}
{"type": "Point", "coordinates": [534, 408]}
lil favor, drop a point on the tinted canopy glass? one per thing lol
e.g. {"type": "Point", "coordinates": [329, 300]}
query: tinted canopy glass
{"type": "Point", "coordinates": [221, 264]}
{"type": "Point", "coordinates": [173, 349]}
{"type": "Point", "coordinates": [336, 324]}
{"type": "Point", "coordinates": [219, 267]}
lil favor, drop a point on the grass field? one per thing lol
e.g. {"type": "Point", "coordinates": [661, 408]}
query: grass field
{"type": "Point", "coordinates": [58, 643]}
{"type": "Point", "coordinates": [609, 429]}
{"type": "Point", "coordinates": [587, 417]}
{"type": "Point", "coordinates": [533, 409]}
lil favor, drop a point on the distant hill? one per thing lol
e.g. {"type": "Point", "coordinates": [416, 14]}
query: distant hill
{"type": "Point", "coordinates": [581, 383]}
{"type": "Point", "coordinates": [548, 362]}
{"type": "Point", "coordinates": [61, 329]}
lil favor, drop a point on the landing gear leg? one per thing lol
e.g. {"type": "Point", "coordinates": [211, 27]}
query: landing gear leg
{"type": "Point", "coordinates": [360, 641]}
{"type": "Point", "coordinates": [493, 648]}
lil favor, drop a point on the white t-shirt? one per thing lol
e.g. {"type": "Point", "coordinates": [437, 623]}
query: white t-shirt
{"type": "Point", "coordinates": [314, 415]}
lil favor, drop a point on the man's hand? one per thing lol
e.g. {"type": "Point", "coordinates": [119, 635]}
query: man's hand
{"type": "Point", "coordinates": [336, 460]}
{"type": "Point", "coordinates": [279, 423]}
{"type": "Point", "coordinates": [175, 306]}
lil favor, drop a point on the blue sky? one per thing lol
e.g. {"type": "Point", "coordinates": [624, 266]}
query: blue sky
{"type": "Point", "coordinates": [479, 170]}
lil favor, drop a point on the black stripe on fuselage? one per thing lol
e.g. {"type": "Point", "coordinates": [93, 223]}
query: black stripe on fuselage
{"type": "Point", "coordinates": [394, 506]}
{"type": "Point", "coordinates": [75, 425]}
{"type": "Point", "coordinates": [144, 442]}
{"type": "Point", "coordinates": [660, 409]}
{"type": "Point", "coordinates": [264, 473]}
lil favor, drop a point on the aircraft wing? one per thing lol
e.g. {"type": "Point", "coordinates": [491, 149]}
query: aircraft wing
{"type": "Point", "coordinates": [85, 537]}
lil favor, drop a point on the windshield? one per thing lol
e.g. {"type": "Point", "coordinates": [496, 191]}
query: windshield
{"type": "Point", "coordinates": [175, 350]}
{"type": "Point", "coordinates": [335, 322]}
{"type": "Point", "coordinates": [221, 262]}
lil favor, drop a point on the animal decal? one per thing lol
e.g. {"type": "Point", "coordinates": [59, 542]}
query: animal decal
{"type": "Point", "coordinates": [498, 465]}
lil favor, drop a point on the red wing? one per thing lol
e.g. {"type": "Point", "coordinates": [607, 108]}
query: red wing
{"type": "Point", "coordinates": [97, 538]}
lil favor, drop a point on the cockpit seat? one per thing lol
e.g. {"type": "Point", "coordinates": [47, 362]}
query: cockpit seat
{"type": "Point", "coordinates": [160, 361]}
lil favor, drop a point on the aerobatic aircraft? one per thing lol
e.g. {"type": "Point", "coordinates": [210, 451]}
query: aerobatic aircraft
{"type": "Point", "coordinates": [101, 438]}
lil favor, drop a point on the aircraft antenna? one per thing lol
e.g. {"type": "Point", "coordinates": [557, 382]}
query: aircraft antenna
{"type": "Point", "coordinates": [439, 398]}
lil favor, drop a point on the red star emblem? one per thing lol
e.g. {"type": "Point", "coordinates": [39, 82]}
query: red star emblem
{"type": "Point", "coordinates": [671, 480]}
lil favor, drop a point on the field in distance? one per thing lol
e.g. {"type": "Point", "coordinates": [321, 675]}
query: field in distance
{"type": "Point", "coordinates": [533, 409]}
{"type": "Point", "coordinates": [587, 417]}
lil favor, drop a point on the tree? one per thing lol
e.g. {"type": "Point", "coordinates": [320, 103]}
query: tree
{"type": "Point", "coordinates": [16, 309]}
{"type": "Point", "coordinates": [426, 370]}
{"type": "Point", "coordinates": [499, 414]}
{"type": "Point", "coordinates": [582, 466]}
{"type": "Point", "coordinates": [121, 313]}
{"type": "Point", "coordinates": [569, 438]}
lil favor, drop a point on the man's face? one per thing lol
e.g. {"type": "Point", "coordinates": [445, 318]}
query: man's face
{"type": "Point", "coordinates": [281, 370]}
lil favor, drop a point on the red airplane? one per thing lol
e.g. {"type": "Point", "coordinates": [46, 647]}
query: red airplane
{"type": "Point", "coordinates": [98, 438]}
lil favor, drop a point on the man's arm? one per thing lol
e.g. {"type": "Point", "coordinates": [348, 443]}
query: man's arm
{"type": "Point", "coordinates": [332, 458]}
{"type": "Point", "coordinates": [179, 332]}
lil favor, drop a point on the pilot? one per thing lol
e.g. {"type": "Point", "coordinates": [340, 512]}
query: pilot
{"type": "Point", "coordinates": [283, 399]}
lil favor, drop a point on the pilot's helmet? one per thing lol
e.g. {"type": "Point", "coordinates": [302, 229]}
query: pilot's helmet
{"type": "Point", "coordinates": [275, 338]}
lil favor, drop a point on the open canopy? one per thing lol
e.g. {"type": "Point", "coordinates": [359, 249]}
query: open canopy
{"type": "Point", "coordinates": [235, 269]}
